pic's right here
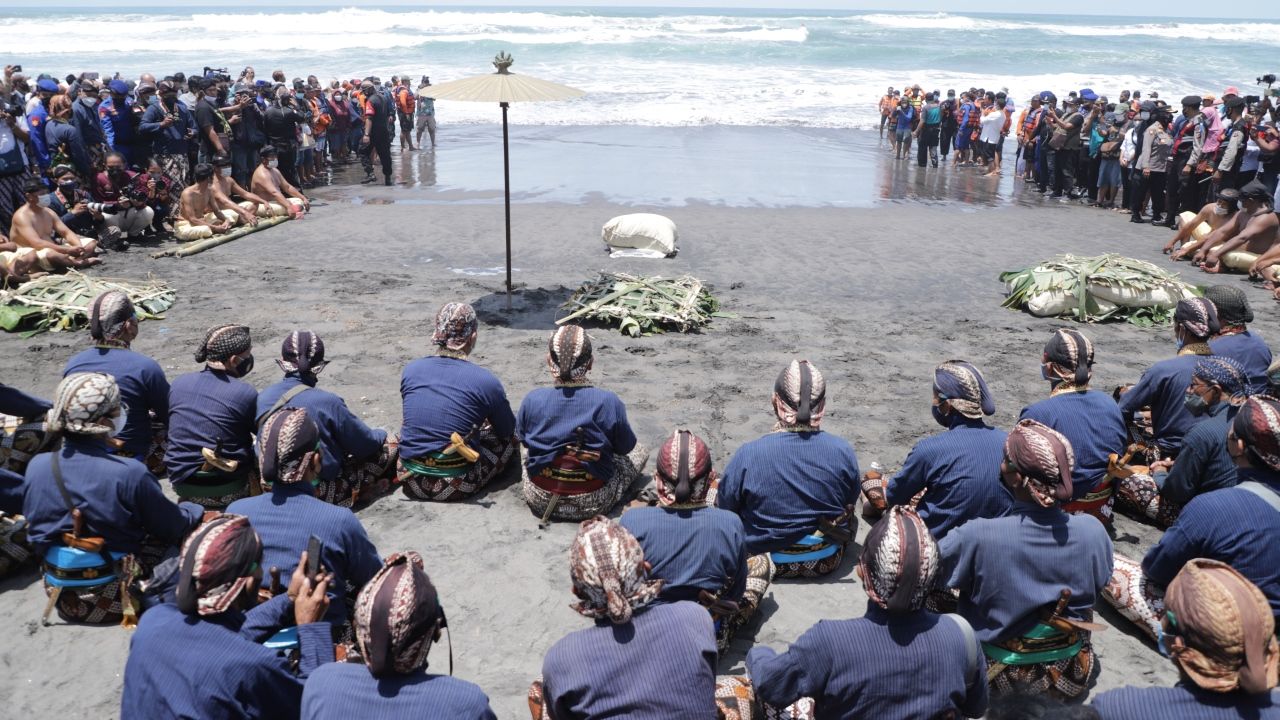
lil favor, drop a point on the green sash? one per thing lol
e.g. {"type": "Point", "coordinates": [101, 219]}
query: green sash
{"type": "Point", "coordinates": [194, 489]}
{"type": "Point", "coordinates": [1041, 644]}
{"type": "Point", "coordinates": [438, 465]}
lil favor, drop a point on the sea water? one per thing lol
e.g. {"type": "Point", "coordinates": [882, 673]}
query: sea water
{"type": "Point", "coordinates": [654, 67]}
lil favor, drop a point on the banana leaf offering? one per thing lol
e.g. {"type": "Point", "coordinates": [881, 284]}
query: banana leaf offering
{"type": "Point", "coordinates": [643, 305]}
{"type": "Point", "coordinates": [54, 303]}
{"type": "Point", "coordinates": [1099, 288]}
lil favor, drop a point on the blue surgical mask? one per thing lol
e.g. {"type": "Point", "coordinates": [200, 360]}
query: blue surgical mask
{"type": "Point", "coordinates": [938, 417]}
{"type": "Point", "coordinates": [1194, 403]}
{"type": "Point", "coordinates": [1164, 650]}
{"type": "Point", "coordinates": [299, 96]}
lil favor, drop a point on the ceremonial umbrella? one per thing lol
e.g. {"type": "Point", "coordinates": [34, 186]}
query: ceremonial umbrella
{"type": "Point", "coordinates": [503, 87]}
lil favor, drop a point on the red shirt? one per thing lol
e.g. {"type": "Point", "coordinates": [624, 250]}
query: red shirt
{"type": "Point", "coordinates": [106, 191]}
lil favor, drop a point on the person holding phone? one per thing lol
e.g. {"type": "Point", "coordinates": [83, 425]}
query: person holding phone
{"type": "Point", "coordinates": [291, 517]}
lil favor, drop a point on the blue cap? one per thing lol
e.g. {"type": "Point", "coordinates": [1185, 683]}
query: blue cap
{"type": "Point", "coordinates": [119, 87]}
{"type": "Point", "coordinates": [47, 85]}
{"type": "Point", "coordinates": [1047, 96]}
{"type": "Point", "coordinates": [262, 83]}
{"type": "Point", "coordinates": [1088, 94]}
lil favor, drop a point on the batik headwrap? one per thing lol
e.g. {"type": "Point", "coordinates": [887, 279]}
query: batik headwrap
{"type": "Point", "coordinates": [222, 342]}
{"type": "Point", "coordinates": [1224, 372]}
{"type": "Point", "coordinates": [684, 471]}
{"type": "Point", "coordinates": [569, 354]}
{"type": "Point", "coordinates": [608, 571]}
{"type": "Point", "coordinates": [1258, 425]}
{"type": "Point", "coordinates": [287, 441]}
{"type": "Point", "coordinates": [219, 560]}
{"type": "Point", "coordinates": [302, 352]}
{"type": "Point", "coordinates": [1070, 356]}
{"type": "Point", "coordinates": [82, 399]}
{"type": "Point", "coordinates": [455, 324]}
{"type": "Point", "coordinates": [1222, 630]}
{"type": "Point", "coordinates": [396, 616]}
{"type": "Point", "coordinates": [899, 561]}
{"type": "Point", "coordinates": [1043, 456]}
{"type": "Point", "coordinates": [1231, 303]}
{"type": "Point", "coordinates": [108, 314]}
{"type": "Point", "coordinates": [962, 385]}
{"type": "Point", "coordinates": [802, 395]}
{"type": "Point", "coordinates": [1197, 316]}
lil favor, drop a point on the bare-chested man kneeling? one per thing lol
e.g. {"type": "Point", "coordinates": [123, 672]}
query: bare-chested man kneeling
{"type": "Point", "coordinates": [282, 198]}
{"type": "Point", "coordinates": [1254, 249]}
{"type": "Point", "coordinates": [246, 203]}
{"type": "Point", "coordinates": [35, 229]}
{"type": "Point", "coordinates": [203, 211]}
{"type": "Point", "coordinates": [1196, 229]}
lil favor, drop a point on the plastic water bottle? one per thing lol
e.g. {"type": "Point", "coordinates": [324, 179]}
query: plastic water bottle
{"type": "Point", "coordinates": [876, 467]}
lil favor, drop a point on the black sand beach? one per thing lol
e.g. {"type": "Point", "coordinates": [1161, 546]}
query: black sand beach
{"type": "Point", "coordinates": [816, 242]}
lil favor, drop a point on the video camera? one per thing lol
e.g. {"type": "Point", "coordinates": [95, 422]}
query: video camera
{"type": "Point", "coordinates": [1269, 79]}
{"type": "Point", "coordinates": [219, 74]}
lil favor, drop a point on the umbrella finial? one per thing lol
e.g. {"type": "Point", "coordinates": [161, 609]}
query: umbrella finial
{"type": "Point", "coordinates": [503, 61]}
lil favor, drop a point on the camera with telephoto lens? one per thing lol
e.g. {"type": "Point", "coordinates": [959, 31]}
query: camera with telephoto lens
{"type": "Point", "coordinates": [1252, 100]}
{"type": "Point", "coordinates": [219, 74]}
{"type": "Point", "coordinates": [101, 207]}
{"type": "Point", "coordinates": [1268, 79]}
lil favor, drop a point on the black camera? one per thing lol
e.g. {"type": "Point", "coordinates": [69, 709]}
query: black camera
{"type": "Point", "coordinates": [1267, 79]}
{"type": "Point", "coordinates": [219, 74]}
{"type": "Point", "coordinates": [1252, 100]}
{"type": "Point", "coordinates": [17, 68]}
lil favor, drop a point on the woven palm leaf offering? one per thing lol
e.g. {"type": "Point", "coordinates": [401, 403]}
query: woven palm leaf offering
{"type": "Point", "coordinates": [1094, 289]}
{"type": "Point", "coordinates": [643, 305]}
{"type": "Point", "coordinates": [61, 302]}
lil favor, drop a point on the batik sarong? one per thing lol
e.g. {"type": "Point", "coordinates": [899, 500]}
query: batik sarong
{"type": "Point", "coordinates": [215, 489]}
{"type": "Point", "coordinates": [360, 481]}
{"type": "Point", "coordinates": [105, 604]}
{"type": "Point", "coordinates": [1132, 596]}
{"type": "Point", "coordinates": [14, 550]}
{"type": "Point", "coordinates": [177, 167]}
{"type": "Point", "coordinates": [154, 457]}
{"type": "Point", "coordinates": [1139, 495]}
{"type": "Point", "coordinates": [20, 440]}
{"type": "Point", "coordinates": [441, 478]}
{"type": "Point", "coordinates": [760, 570]}
{"type": "Point", "coordinates": [736, 700]}
{"type": "Point", "coordinates": [574, 508]}
{"type": "Point", "coordinates": [1045, 661]}
{"type": "Point", "coordinates": [1099, 502]}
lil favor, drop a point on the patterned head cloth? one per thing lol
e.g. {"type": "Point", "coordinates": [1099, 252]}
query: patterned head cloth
{"type": "Point", "coordinates": [396, 616]}
{"type": "Point", "coordinates": [222, 342]}
{"type": "Point", "coordinates": [1225, 373]}
{"type": "Point", "coordinates": [455, 324]}
{"type": "Point", "coordinates": [684, 471]}
{"type": "Point", "coordinates": [963, 386]}
{"type": "Point", "coordinates": [219, 561]}
{"type": "Point", "coordinates": [108, 315]}
{"type": "Point", "coordinates": [81, 401]}
{"type": "Point", "coordinates": [1231, 303]}
{"type": "Point", "coordinates": [569, 353]}
{"type": "Point", "coordinates": [1197, 316]}
{"type": "Point", "coordinates": [1258, 425]}
{"type": "Point", "coordinates": [1044, 457]}
{"type": "Point", "coordinates": [899, 561]}
{"type": "Point", "coordinates": [302, 352]}
{"type": "Point", "coordinates": [1222, 629]}
{"type": "Point", "coordinates": [802, 395]}
{"type": "Point", "coordinates": [287, 441]}
{"type": "Point", "coordinates": [1070, 355]}
{"type": "Point", "coordinates": [606, 564]}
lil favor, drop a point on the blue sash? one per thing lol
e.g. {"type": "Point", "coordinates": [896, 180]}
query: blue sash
{"type": "Point", "coordinates": [809, 548]}
{"type": "Point", "coordinates": [286, 639]}
{"type": "Point", "coordinates": [71, 567]}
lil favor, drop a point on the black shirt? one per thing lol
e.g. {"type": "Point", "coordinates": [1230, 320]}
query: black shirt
{"type": "Point", "coordinates": [381, 105]}
{"type": "Point", "coordinates": [282, 126]}
{"type": "Point", "coordinates": [206, 117]}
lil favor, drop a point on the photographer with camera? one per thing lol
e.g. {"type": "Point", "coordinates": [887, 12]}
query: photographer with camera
{"type": "Point", "coordinates": [79, 211]}
{"type": "Point", "coordinates": [125, 210]}
{"type": "Point", "coordinates": [13, 160]}
{"type": "Point", "coordinates": [171, 127]}
{"type": "Point", "coordinates": [158, 192]}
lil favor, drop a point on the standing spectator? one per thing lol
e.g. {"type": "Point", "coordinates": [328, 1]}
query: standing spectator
{"type": "Point", "coordinates": [887, 105]}
{"type": "Point", "coordinates": [404, 111]}
{"type": "Point", "coordinates": [1065, 144]}
{"type": "Point", "coordinates": [214, 130]}
{"type": "Point", "coordinates": [426, 112]}
{"type": "Point", "coordinates": [171, 128]}
{"type": "Point", "coordinates": [84, 115]}
{"type": "Point", "coordinates": [247, 135]}
{"type": "Point", "coordinates": [13, 162]}
{"type": "Point", "coordinates": [281, 124]}
{"type": "Point", "coordinates": [339, 125]}
{"type": "Point", "coordinates": [38, 118]}
{"type": "Point", "coordinates": [66, 145]}
{"type": "Point", "coordinates": [139, 154]}
{"type": "Point", "coordinates": [991, 137]}
{"type": "Point", "coordinates": [118, 122]}
{"type": "Point", "coordinates": [377, 132]}
{"type": "Point", "coordinates": [948, 136]}
{"type": "Point", "coordinates": [1152, 164]}
{"type": "Point", "coordinates": [928, 131]}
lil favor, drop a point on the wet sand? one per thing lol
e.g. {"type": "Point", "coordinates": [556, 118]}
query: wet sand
{"type": "Point", "coordinates": [876, 296]}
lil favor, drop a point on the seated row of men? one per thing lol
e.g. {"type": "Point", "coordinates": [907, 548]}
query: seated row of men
{"type": "Point", "coordinates": [791, 492]}
{"type": "Point", "coordinates": [215, 203]}
{"type": "Point", "coordinates": [1239, 230]}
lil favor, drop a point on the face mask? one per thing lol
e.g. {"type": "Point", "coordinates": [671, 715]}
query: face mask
{"type": "Point", "coordinates": [1274, 380]}
{"type": "Point", "coordinates": [1219, 210]}
{"type": "Point", "coordinates": [115, 172]}
{"type": "Point", "coordinates": [118, 422]}
{"type": "Point", "coordinates": [272, 163]}
{"type": "Point", "coordinates": [938, 417]}
{"type": "Point", "coordinates": [67, 188]}
{"type": "Point", "coordinates": [46, 200]}
{"type": "Point", "coordinates": [1195, 404]}
{"type": "Point", "coordinates": [299, 96]}
{"type": "Point", "coordinates": [244, 367]}
{"type": "Point", "coordinates": [225, 172]}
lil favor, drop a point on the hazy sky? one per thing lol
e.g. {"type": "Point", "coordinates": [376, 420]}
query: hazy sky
{"type": "Point", "coordinates": [1260, 9]}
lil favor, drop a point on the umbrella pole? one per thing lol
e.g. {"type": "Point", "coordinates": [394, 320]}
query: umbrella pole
{"type": "Point", "coordinates": [506, 177]}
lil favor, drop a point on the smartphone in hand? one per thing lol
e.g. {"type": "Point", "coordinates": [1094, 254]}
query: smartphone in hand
{"type": "Point", "coordinates": [313, 559]}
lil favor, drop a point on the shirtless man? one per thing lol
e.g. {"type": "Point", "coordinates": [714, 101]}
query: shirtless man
{"type": "Point", "coordinates": [1212, 216]}
{"type": "Point", "coordinates": [202, 211]}
{"type": "Point", "coordinates": [35, 227]}
{"type": "Point", "coordinates": [1233, 226]}
{"type": "Point", "coordinates": [227, 188]}
{"type": "Point", "coordinates": [270, 184]}
{"type": "Point", "coordinates": [1257, 239]}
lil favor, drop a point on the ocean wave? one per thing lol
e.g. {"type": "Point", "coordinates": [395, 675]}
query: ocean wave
{"type": "Point", "coordinates": [1255, 32]}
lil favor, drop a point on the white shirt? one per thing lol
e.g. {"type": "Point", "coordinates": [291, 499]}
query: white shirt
{"type": "Point", "coordinates": [992, 124]}
{"type": "Point", "coordinates": [8, 140]}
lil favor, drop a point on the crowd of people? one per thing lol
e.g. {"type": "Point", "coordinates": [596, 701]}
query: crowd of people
{"type": "Point", "coordinates": [1130, 154]}
{"type": "Point", "coordinates": [259, 593]}
{"type": "Point", "coordinates": [88, 164]}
